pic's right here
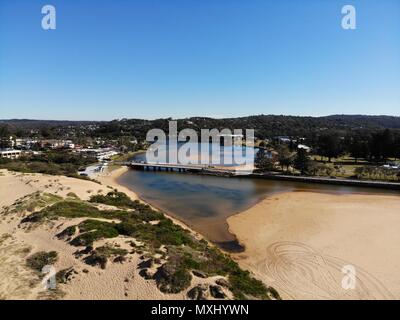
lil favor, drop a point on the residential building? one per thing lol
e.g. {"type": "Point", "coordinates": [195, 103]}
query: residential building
{"type": "Point", "coordinates": [10, 153]}
{"type": "Point", "coordinates": [100, 154]}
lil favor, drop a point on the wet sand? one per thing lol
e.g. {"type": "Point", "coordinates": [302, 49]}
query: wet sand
{"type": "Point", "coordinates": [298, 242]}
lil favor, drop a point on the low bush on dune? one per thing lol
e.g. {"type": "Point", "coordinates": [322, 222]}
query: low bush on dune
{"type": "Point", "coordinates": [163, 233]}
{"type": "Point", "coordinates": [243, 286]}
{"type": "Point", "coordinates": [92, 230]}
{"type": "Point", "coordinates": [72, 195]}
{"type": "Point", "coordinates": [95, 259]}
{"type": "Point", "coordinates": [109, 251]}
{"type": "Point", "coordinates": [67, 233]}
{"type": "Point", "coordinates": [211, 262]}
{"type": "Point", "coordinates": [32, 202]}
{"type": "Point", "coordinates": [65, 275]}
{"type": "Point", "coordinates": [101, 255]}
{"type": "Point", "coordinates": [115, 198]}
{"type": "Point", "coordinates": [66, 209]}
{"type": "Point", "coordinates": [40, 259]}
{"type": "Point", "coordinates": [121, 200]}
{"type": "Point", "coordinates": [172, 278]}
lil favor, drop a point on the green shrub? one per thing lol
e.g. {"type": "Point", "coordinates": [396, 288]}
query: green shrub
{"type": "Point", "coordinates": [109, 251]}
{"type": "Point", "coordinates": [100, 255]}
{"type": "Point", "coordinates": [64, 275]}
{"type": "Point", "coordinates": [66, 209]}
{"type": "Point", "coordinates": [121, 200]}
{"type": "Point", "coordinates": [114, 198]}
{"type": "Point", "coordinates": [127, 228]}
{"type": "Point", "coordinates": [72, 195]}
{"type": "Point", "coordinates": [94, 230]}
{"type": "Point", "coordinates": [40, 259]}
{"type": "Point", "coordinates": [243, 286]}
{"type": "Point", "coordinates": [67, 232]}
{"type": "Point", "coordinates": [172, 278]}
{"type": "Point", "coordinates": [169, 233]}
{"type": "Point", "coordinates": [96, 259]}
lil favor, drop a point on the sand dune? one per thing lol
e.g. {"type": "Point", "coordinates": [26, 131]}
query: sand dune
{"type": "Point", "coordinates": [118, 281]}
{"type": "Point", "coordinates": [299, 242]}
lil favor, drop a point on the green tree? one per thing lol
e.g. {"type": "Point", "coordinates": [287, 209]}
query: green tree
{"type": "Point", "coordinates": [4, 137]}
{"type": "Point", "coordinates": [382, 145]}
{"type": "Point", "coordinates": [302, 160]}
{"type": "Point", "coordinates": [358, 148]}
{"type": "Point", "coordinates": [285, 157]}
{"type": "Point", "coordinates": [264, 161]}
{"type": "Point", "coordinates": [396, 152]}
{"type": "Point", "coordinates": [329, 146]}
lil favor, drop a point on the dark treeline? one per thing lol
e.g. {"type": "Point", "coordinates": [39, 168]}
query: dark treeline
{"type": "Point", "coordinates": [371, 145]}
{"type": "Point", "coordinates": [265, 126]}
{"type": "Point", "coordinates": [4, 137]}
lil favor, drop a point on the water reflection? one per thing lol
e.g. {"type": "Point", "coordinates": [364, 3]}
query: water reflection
{"type": "Point", "coordinates": [199, 153]}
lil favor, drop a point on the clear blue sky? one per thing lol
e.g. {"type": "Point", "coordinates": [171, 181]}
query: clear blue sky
{"type": "Point", "coordinates": [220, 58]}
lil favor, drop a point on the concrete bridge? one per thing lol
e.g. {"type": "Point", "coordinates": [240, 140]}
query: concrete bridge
{"type": "Point", "coordinates": [166, 167]}
{"type": "Point", "coordinates": [204, 169]}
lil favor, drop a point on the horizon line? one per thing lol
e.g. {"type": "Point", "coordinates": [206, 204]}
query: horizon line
{"type": "Point", "coordinates": [206, 116]}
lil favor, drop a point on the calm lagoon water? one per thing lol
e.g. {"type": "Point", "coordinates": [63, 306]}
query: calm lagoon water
{"type": "Point", "coordinates": [214, 154]}
{"type": "Point", "coordinates": [205, 202]}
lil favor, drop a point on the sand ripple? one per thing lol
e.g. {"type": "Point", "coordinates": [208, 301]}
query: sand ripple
{"type": "Point", "coordinates": [302, 271]}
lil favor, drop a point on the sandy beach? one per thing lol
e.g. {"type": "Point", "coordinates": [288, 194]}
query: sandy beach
{"type": "Point", "coordinates": [299, 242]}
{"type": "Point", "coordinates": [118, 281]}
{"type": "Point", "coordinates": [109, 178]}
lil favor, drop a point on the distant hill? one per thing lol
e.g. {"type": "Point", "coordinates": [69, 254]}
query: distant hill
{"type": "Point", "coordinates": [34, 124]}
{"type": "Point", "coordinates": [272, 125]}
{"type": "Point", "coordinates": [264, 125]}
{"type": "Point", "coordinates": [390, 122]}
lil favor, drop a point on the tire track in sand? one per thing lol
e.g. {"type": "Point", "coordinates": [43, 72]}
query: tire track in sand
{"type": "Point", "coordinates": [302, 272]}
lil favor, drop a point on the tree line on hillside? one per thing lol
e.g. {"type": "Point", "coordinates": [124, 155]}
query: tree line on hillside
{"type": "Point", "coordinates": [375, 146]}
{"type": "Point", "coordinates": [362, 137]}
{"type": "Point", "coordinates": [265, 126]}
